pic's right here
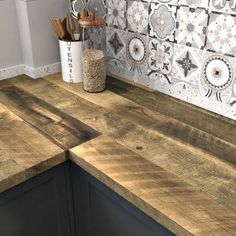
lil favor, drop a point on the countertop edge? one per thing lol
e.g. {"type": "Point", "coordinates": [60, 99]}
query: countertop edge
{"type": "Point", "coordinates": [99, 161]}
{"type": "Point", "coordinates": [30, 172]}
{"type": "Point", "coordinates": [146, 208]}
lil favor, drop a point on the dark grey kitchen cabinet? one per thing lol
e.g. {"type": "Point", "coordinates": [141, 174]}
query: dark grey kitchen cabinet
{"type": "Point", "coordinates": [37, 207]}
{"type": "Point", "coordinates": [101, 212]}
{"type": "Point", "coordinates": [67, 201]}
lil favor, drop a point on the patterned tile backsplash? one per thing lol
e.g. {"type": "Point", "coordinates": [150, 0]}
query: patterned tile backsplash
{"type": "Point", "coordinates": [184, 48]}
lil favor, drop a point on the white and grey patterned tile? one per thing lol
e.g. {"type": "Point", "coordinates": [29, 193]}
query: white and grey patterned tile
{"type": "Point", "coordinates": [190, 93]}
{"type": "Point", "coordinates": [218, 76]}
{"type": "Point", "coordinates": [187, 64]}
{"type": "Point", "coordinates": [191, 26]}
{"type": "Point", "coordinates": [162, 21]}
{"type": "Point", "coordinates": [158, 82]}
{"type": "Point", "coordinates": [99, 7]}
{"type": "Point", "coordinates": [221, 35]}
{"type": "Point", "coordinates": [184, 91]}
{"type": "Point", "coordinates": [185, 74]}
{"type": "Point", "coordinates": [137, 53]}
{"type": "Point", "coordinates": [137, 16]}
{"type": "Point", "coordinates": [116, 43]}
{"type": "Point", "coordinates": [116, 13]}
{"type": "Point", "coordinates": [170, 2]}
{"type": "Point", "coordinates": [234, 88]}
{"type": "Point", "coordinates": [116, 67]}
{"type": "Point", "coordinates": [75, 7]}
{"type": "Point", "coordinates": [194, 3]}
{"type": "Point", "coordinates": [160, 59]}
{"type": "Point", "coordinates": [233, 105]}
{"type": "Point", "coordinates": [224, 6]}
{"type": "Point", "coordinates": [139, 79]}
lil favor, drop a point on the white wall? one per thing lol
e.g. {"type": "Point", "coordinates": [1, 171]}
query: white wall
{"type": "Point", "coordinates": [24, 30]}
{"type": "Point", "coordinates": [44, 43]}
{"type": "Point", "coordinates": [10, 46]}
{"type": "Point", "coordinates": [26, 36]}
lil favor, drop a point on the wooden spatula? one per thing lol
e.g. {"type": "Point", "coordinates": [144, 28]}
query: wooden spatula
{"type": "Point", "coordinates": [58, 28]}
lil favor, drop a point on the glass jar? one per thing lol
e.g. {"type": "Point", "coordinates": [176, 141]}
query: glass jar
{"type": "Point", "coordinates": [93, 30]}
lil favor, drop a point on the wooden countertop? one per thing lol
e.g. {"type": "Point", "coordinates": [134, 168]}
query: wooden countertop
{"type": "Point", "coordinates": [169, 138]}
{"type": "Point", "coordinates": [24, 152]}
{"type": "Point", "coordinates": [160, 194]}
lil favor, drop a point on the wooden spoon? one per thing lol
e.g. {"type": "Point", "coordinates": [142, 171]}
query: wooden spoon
{"type": "Point", "coordinates": [58, 28]}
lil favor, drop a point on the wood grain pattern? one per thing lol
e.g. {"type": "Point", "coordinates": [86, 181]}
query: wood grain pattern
{"type": "Point", "coordinates": [138, 130]}
{"type": "Point", "coordinates": [162, 163]}
{"type": "Point", "coordinates": [156, 121]}
{"type": "Point", "coordinates": [197, 117]}
{"type": "Point", "coordinates": [123, 120]}
{"type": "Point", "coordinates": [162, 195]}
{"type": "Point", "coordinates": [24, 153]}
{"type": "Point", "coordinates": [60, 127]}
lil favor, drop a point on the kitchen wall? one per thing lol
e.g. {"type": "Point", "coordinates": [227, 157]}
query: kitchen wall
{"type": "Point", "coordinates": [28, 43]}
{"type": "Point", "coordinates": [183, 48]}
{"type": "Point", "coordinates": [10, 49]}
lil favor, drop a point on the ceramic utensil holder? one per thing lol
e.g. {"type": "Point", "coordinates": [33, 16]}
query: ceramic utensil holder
{"type": "Point", "coordinates": [71, 60]}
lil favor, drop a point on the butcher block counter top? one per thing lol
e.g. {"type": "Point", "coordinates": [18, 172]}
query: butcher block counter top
{"type": "Point", "coordinates": [24, 152]}
{"type": "Point", "coordinates": [172, 160]}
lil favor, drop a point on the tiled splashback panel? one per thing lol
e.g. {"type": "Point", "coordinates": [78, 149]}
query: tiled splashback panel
{"type": "Point", "coordinates": [184, 48]}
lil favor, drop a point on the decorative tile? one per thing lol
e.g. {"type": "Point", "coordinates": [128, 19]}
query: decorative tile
{"type": "Point", "coordinates": [183, 48]}
{"type": "Point", "coordinates": [194, 3]}
{"type": "Point", "coordinates": [139, 79]}
{"type": "Point", "coordinates": [187, 64]}
{"type": "Point", "coordinates": [160, 59]}
{"type": "Point", "coordinates": [158, 82]}
{"type": "Point", "coordinates": [233, 105]}
{"type": "Point", "coordinates": [116, 43]}
{"type": "Point", "coordinates": [191, 26]}
{"type": "Point", "coordinates": [218, 77]}
{"type": "Point", "coordinates": [234, 89]}
{"type": "Point", "coordinates": [218, 72]}
{"type": "Point", "coordinates": [75, 6]}
{"type": "Point", "coordinates": [137, 53]}
{"type": "Point", "coordinates": [221, 35]}
{"type": "Point", "coordinates": [116, 13]}
{"type": "Point", "coordinates": [183, 90]}
{"type": "Point", "coordinates": [99, 7]}
{"type": "Point", "coordinates": [162, 21]}
{"type": "Point", "coordinates": [170, 2]}
{"type": "Point", "coordinates": [225, 6]}
{"type": "Point", "coordinates": [117, 67]}
{"type": "Point", "coordinates": [137, 16]}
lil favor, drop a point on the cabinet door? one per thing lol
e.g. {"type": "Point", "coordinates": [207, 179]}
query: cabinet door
{"type": "Point", "coordinates": [37, 207]}
{"type": "Point", "coordinates": [101, 212]}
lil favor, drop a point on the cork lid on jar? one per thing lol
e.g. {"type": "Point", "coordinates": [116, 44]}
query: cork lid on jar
{"type": "Point", "coordinates": [91, 20]}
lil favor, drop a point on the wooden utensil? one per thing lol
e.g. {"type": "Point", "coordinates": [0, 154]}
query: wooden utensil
{"type": "Point", "coordinates": [67, 34]}
{"type": "Point", "coordinates": [70, 26]}
{"type": "Point", "coordinates": [79, 28]}
{"type": "Point", "coordinates": [83, 13]}
{"type": "Point", "coordinates": [58, 28]}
